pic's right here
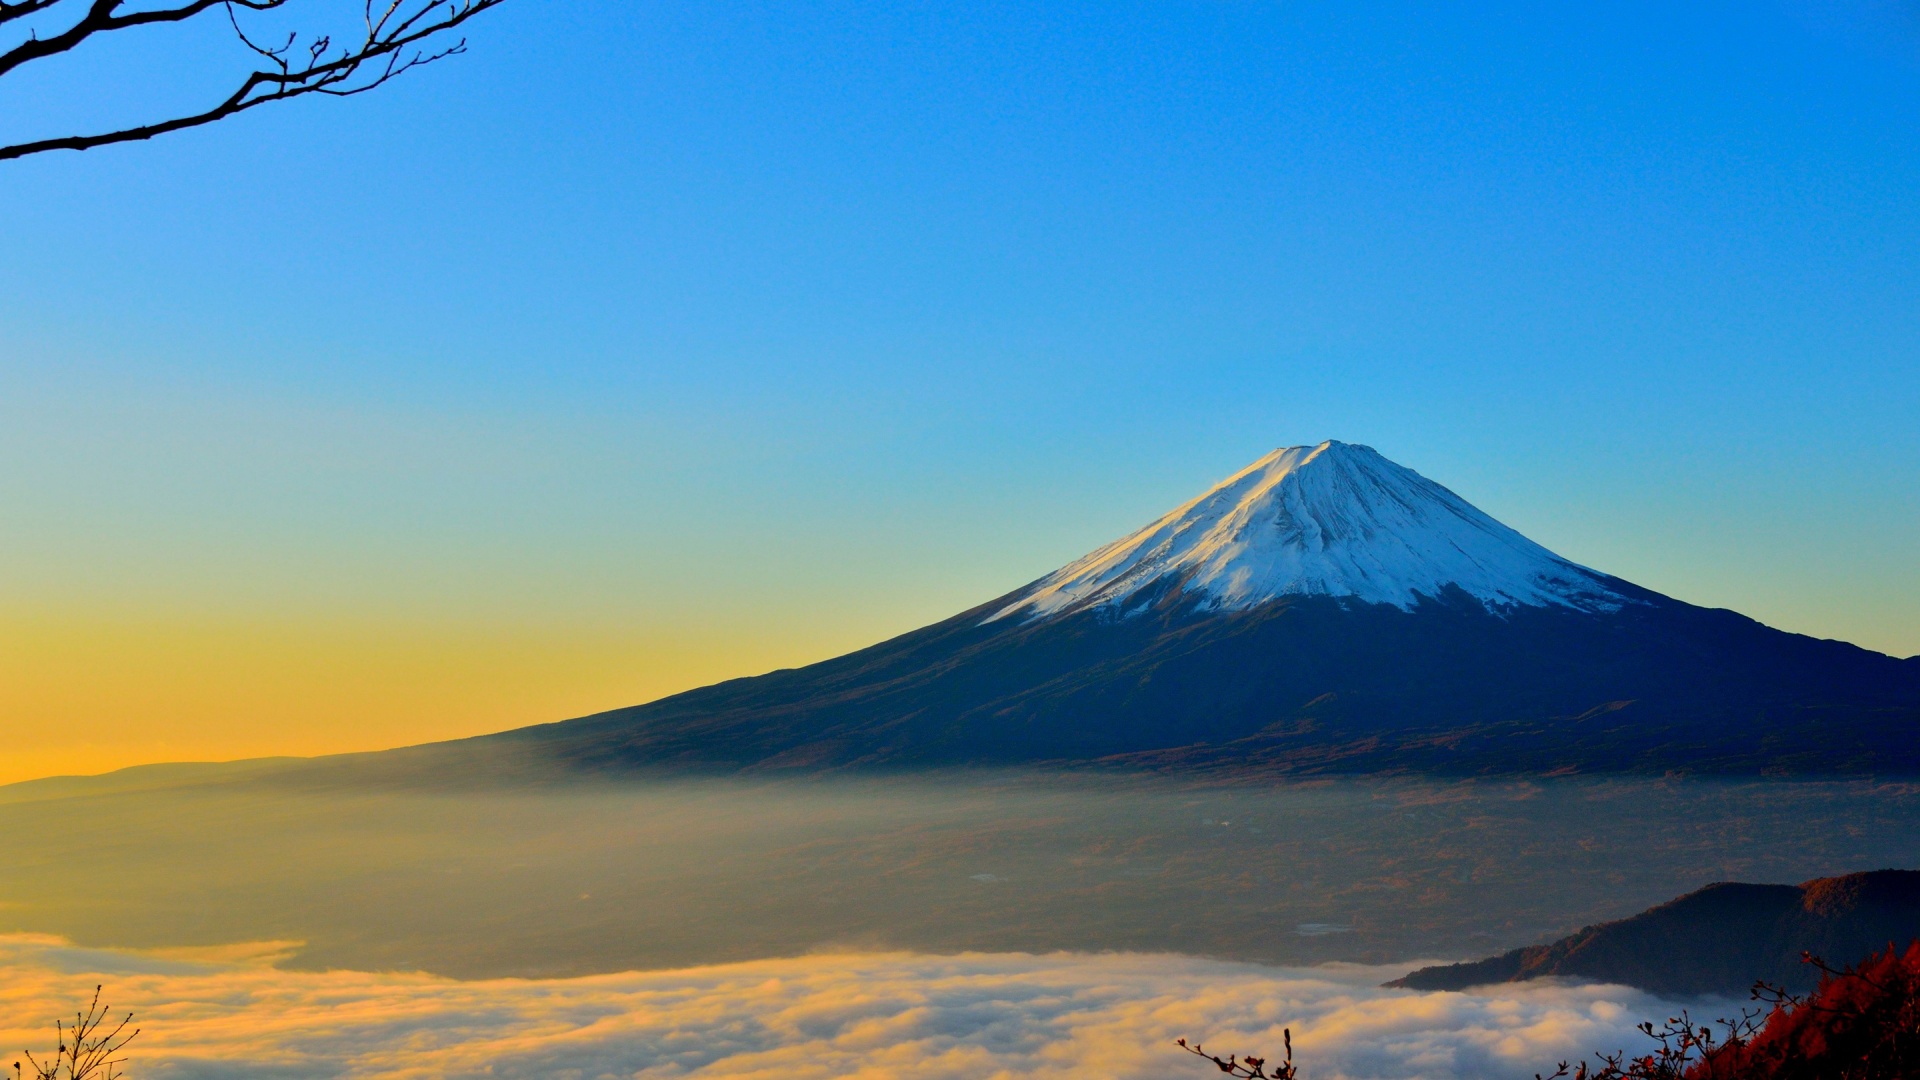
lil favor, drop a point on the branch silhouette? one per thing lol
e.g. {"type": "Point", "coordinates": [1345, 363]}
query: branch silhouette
{"type": "Point", "coordinates": [89, 1050]}
{"type": "Point", "coordinates": [396, 36]}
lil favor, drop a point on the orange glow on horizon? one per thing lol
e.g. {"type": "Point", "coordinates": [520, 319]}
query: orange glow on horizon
{"type": "Point", "coordinates": [93, 694]}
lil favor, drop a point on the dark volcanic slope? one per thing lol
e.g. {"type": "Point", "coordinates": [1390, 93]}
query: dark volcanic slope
{"type": "Point", "coordinates": [1322, 609]}
{"type": "Point", "coordinates": [1299, 683]}
{"type": "Point", "coordinates": [1719, 939]}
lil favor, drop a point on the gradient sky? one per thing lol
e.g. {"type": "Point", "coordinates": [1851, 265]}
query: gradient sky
{"type": "Point", "coordinates": [647, 345]}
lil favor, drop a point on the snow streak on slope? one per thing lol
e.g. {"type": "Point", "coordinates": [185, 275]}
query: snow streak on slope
{"type": "Point", "coordinates": [1328, 520]}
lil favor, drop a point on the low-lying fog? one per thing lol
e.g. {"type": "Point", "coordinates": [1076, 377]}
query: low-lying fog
{"type": "Point", "coordinates": [865, 1016]}
{"type": "Point", "coordinates": [608, 877]}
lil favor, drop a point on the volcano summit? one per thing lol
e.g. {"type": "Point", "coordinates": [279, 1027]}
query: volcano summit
{"type": "Point", "coordinates": [1323, 609]}
{"type": "Point", "coordinates": [1328, 520]}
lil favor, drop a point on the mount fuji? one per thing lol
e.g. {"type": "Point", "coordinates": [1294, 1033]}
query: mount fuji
{"type": "Point", "coordinates": [1327, 520]}
{"type": "Point", "coordinates": [1323, 609]}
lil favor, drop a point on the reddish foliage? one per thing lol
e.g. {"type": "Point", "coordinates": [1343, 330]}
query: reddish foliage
{"type": "Point", "coordinates": [1861, 1024]}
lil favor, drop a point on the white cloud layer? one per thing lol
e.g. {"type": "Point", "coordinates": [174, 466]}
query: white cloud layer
{"type": "Point", "coordinates": [878, 1015]}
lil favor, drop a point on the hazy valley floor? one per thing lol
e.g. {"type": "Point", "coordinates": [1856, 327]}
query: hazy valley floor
{"type": "Point", "coordinates": [567, 882]}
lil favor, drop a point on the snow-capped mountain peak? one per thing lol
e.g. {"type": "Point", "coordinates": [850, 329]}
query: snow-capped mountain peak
{"type": "Point", "coordinates": [1335, 519]}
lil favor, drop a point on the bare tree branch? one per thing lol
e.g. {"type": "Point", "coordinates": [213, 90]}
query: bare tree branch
{"type": "Point", "coordinates": [89, 1050]}
{"type": "Point", "coordinates": [395, 40]}
{"type": "Point", "coordinates": [102, 16]}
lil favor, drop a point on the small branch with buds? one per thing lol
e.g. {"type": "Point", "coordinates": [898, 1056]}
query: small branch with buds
{"type": "Point", "coordinates": [1250, 1067]}
{"type": "Point", "coordinates": [89, 1050]}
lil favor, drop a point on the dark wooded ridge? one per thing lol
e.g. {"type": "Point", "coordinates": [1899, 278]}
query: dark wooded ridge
{"type": "Point", "coordinates": [1718, 940]}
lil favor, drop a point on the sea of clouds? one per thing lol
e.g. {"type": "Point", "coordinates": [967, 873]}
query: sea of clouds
{"type": "Point", "coordinates": [231, 1013]}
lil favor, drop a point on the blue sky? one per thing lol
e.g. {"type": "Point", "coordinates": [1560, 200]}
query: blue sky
{"type": "Point", "coordinates": [788, 328]}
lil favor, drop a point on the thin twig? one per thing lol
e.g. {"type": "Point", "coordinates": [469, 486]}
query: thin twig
{"type": "Point", "coordinates": [395, 42]}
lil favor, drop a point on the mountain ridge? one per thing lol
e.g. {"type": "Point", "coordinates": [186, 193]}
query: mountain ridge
{"type": "Point", "coordinates": [1236, 636]}
{"type": "Point", "coordinates": [1718, 939]}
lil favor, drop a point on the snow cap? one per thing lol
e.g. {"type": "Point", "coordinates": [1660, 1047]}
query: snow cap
{"type": "Point", "coordinates": [1336, 519]}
